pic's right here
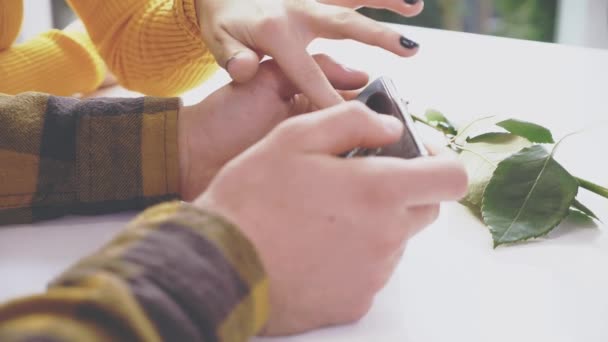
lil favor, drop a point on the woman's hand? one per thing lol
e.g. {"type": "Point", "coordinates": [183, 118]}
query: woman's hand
{"type": "Point", "coordinates": [408, 8]}
{"type": "Point", "coordinates": [240, 32]}
{"type": "Point", "coordinates": [239, 114]}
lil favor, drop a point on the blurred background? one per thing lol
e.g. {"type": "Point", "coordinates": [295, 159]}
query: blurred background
{"type": "Point", "coordinates": [577, 22]}
{"type": "Point", "coordinates": [574, 22]}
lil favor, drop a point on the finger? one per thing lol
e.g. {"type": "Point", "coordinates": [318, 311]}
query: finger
{"type": "Point", "coordinates": [240, 62]}
{"type": "Point", "coordinates": [243, 65]}
{"type": "Point", "coordinates": [425, 181]}
{"type": "Point", "coordinates": [338, 129]}
{"type": "Point", "coordinates": [408, 8]}
{"type": "Point", "coordinates": [349, 95]}
{"type": "Point", "coordinates": [339, 76]}
{"type": "Point", "coordinates": [343, 23]}
{"type": "Point", "coordinates": [307, 107]}
{"type": "Point", "coordinates": [302, 70]}
{"type": "Point", "coordinates": [301, 104]}
{"type": "Point", "coordinates": [415, 182]}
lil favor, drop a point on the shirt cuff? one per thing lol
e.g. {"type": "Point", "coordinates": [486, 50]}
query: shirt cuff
{"type": "Point", "coordinates": [130, 154]}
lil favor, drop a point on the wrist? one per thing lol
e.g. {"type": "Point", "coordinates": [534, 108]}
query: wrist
{"type": "Point", "coordinates": [198, 162]}
{"type": "Point", "coordinates": [183, 146]}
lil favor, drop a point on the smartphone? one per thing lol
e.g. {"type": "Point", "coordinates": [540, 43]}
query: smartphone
{"type": "Point", "coordinates": [382, 97]}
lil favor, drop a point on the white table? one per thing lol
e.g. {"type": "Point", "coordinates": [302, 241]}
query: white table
{"type": "Point", "coordinates": [451, 285]}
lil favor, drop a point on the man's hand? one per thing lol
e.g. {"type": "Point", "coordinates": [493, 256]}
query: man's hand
{"type": "Point", "coordinates": [239, 33]}
{"type": "Point", "coordinates": [238, 115]}
{"type": "Point", "coordinates": [329, 231]}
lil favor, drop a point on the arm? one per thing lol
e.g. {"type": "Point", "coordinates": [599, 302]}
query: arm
{"type": "Point", "coordinates": [11, 16]}
{"type": "Point", "coordinates": [65, 156]}
{"type": "Point", "coordinates": [177, 273]}
{"type": "Point", "coordinates": [151, 46]}
{"type": "Point", "coordinates": [58, 62]}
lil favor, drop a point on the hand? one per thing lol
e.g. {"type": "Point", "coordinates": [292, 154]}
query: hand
{"type": "Point", "coordinates": [239, 33]}
{"type": "Point", "coordinates": [329, 231]}
{"type": "Point", "coordinates": [238, 115]}
{"type": "Point", "coordinates": [408, 8]}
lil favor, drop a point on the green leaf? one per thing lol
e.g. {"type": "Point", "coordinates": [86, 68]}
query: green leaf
{"type": "Point", "coordinates": [584, 209]}
{"type": "Point", "coordinates": [474, 128]}
{"type": "Point", "coordinates": [438, 120]}
{"type": "Point", "coordinates": [579, 218]}
{"type": "Point", "coordinates": [481, 156]}
{"type": "Point", "coordinates": [493, 136]}
{"type": "Point", "coordinates": [435, 115]}
{"type": "Point", "coordinates": [531, 131]}
{"type": "Point", "coordinates": [529, 195]}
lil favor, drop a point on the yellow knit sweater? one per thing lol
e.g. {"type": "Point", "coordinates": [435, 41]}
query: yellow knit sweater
{"type": "Point", "coordinates": [151, 46]}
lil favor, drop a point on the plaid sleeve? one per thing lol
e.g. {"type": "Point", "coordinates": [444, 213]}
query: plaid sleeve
{"type": "Point", "coordinates": [177, 273]}
{"type": "Point", "coordinates": [63, 156]}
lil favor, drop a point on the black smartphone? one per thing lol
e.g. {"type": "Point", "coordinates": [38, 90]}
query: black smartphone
{"type": "Point", "coordinates": [382, 97]}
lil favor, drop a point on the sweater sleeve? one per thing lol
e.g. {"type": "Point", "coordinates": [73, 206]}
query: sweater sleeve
{"type": "Point", "coordinates": [61, 155]}
{"type": "Point", "coordinates": [56, 62]}
{"type": "Point", "coordinates": [11, 16]}
{"type": "Point", "coordinates": [177, 273]}
{"type": "Point", "coordinates": [151, 46]}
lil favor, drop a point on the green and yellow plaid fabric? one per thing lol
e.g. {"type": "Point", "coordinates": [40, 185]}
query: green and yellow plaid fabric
{"type": "Point", "coordinates": [62, 156]}
{"type": "Point", "coordinates": [176, 273]}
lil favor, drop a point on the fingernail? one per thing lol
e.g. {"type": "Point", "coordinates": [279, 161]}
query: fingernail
{"type": "Point", "coordinates": [411, 2]}
{"type": "Point", "coordinates": [408, 43]}
{"type": "Point", "coordinates": [391, 124]}
{"type": "Point", "coordinates": [233, 57]}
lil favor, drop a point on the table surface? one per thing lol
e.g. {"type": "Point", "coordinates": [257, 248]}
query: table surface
{"type": "Point", "coordinates": [451, 284]}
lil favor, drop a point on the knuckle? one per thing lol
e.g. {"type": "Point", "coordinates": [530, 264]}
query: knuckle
{"type": "Point", "coordinates": [434, 212]}
{"type": "Point", "coordinates": [373, 195]}
{"type": "Point", "coordinates": [379, 33]}
{"type": "Point", "coordinates": [359, 309]}
{"type": "Point", "coordinates": [289, 130]}
{"type": "Point", "coordinates": [271, 25]}
{"type": "Point", "coordinates": [377, 282]}
{"type": "Point", "coordinates": [377, 194]}
{"type": "Point", "coordinates": [358, 110]}
{"type": "Point", "coordinates": [421, 217]}
{"type": "Point", "coordinates": [310, 74]}
{"type": "Point", "coordinates": [322, 58]}
{"type": "Point", "coordinates": [303, 7]}
{"type": "Point", "coordinates": [344, 17]}
{"type": "Point", "coordinates": [430, 214]}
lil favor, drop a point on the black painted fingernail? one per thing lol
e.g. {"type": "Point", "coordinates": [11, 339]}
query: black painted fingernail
{"type": "Point", "coordinates": [408, 43]}
{"type": "Point", "coordinates": [411, 2]}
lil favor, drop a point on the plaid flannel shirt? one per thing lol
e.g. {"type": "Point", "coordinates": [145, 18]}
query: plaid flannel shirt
{"type": "Point", "coordinates": [176, 273]}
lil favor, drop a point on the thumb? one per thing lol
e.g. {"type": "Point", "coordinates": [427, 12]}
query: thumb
{"type": "Point", "coordinates": [242, 65]}
{"type": "Point", "coordinates": [240, 62]}
{"type": "Point", "coordinates": [338, 129]}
